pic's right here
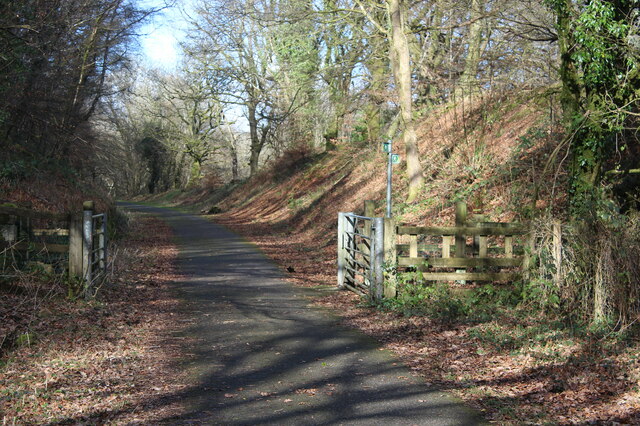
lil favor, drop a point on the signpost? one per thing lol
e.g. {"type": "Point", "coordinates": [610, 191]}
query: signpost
{"type": "Point", "coordinates": [391, 160]}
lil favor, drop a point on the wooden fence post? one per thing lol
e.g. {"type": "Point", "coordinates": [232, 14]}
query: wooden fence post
{"type": "Point", "coordinates": [461, 240]}
{"type": "Point", "coordinates": [75, 247]}
{"type": "Point", "coordinates": [390, 257]}
{"type": "Point", "coordinates": [377, 260]}
{"type": "Point", "coordinates": [557, 252]}
{"type": "Point", "coordinates": [478, 220]}
{"type": "Point", "coordinates": [87, 246]}
{"type": "Point", "coordinates": [9, 228]}
{"type": "Point", "coordinates": [369, 208]}
{"type": "Point", "coordinates": [342, 253]}
{"type": "Point", "coordinates": [461, 220]}
{"type": "Point", "coordinates": [446, 246]}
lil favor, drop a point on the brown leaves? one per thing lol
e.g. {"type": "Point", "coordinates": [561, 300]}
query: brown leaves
{"type": "Point", "coordinates": [558, 382]}
{"type": "Point", "coordinates": [99, 362]}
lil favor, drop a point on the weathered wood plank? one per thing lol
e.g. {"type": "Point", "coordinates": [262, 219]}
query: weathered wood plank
{"type": "Point", "coordinates": [421, 247]}
{"type": "Point", "coordinates": [482, 246]}
{"type": "Point", "coordinates": [511, 229]}
{"type": "Point", "coordinates": [446, 246]}
{"type": "Point", "coordinates": [461, 262]}
{"type": "Point", "coordinates": [470, 276]}
{"type": "Point", "coordinates": [75, 247]}
{"type": "Point", "coordinates": [50, 232]}
{"type": "Point", "coordinates": [404, 248]}
{"type": "Point", "coordinates": [477, 220]}
{"type": "Point", "coordinates": [508, 246]}
{"type": "Point", "coordinates": [26, 213]}
{"type": "Point", "coordinates": [36, 247]}
{"type": "Point", "coordinates": [461, 219]}
{"type": "Point", "coordinates": [413, 246]}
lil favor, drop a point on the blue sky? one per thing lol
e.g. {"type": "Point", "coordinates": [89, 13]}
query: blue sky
{"type": "Point", "coordinates": [159, 44]}
{"type": "Point", "coordinates": [162, 34]}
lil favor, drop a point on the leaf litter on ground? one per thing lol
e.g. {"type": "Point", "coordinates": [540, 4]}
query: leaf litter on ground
{"type": "Point", "coordinates": [109, 360]}
{"type": "Point", "coordinates": [556, 380]}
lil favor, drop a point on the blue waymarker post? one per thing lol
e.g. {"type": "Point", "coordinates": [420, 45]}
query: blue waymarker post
{"type": "Point", "coordinates": [391, 160]}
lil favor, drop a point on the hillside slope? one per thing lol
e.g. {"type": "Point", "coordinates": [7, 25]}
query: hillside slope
{"type": "Point", "coordinates": [498, 349]}
{"type": "Point", "coordinates": [486, 152]}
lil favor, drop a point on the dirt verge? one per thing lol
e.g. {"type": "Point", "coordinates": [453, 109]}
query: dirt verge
{"type": "Point", "coordinates": [516, 367]}
{"type": "Point", "coordinates": [110, 360]}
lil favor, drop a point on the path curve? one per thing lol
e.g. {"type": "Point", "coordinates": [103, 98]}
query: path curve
{"type": "Point", "coordinates": [263, 355]}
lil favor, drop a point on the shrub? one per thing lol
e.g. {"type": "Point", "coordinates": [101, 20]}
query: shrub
{"type": "Point", "coordinates": [416, 297]}
{"type": "Point", "coordinates": [292, 159]}
{"type": "Point", "coordinates": [599, 276]}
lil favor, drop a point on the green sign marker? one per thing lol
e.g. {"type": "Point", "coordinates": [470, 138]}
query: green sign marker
{"type": "Point", "coordinates": [386, 147]}
{"type": "Point", "coordinates": [395, 158]}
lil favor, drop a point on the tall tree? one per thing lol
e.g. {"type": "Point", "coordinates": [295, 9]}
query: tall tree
{"type": "Point", "coordinates": [193, 108]}
{"type": "Point", "coordinates": [401, 65]}
{"type": "Point", "coordinates": [56, 57]}
{"type": "Point", "coordinates": [233, 34]}
{"type": "Point", "coordinates": [395, 29]}
{"type": "Point", "coordinates": [600, 71]}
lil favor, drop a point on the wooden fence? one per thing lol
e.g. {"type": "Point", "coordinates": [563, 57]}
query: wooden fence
{"type": "Point", "coordinates": [472, 250]}
{"type": "Point", "coordinates": [76, 243]}
{"type": "Point", "coordinates": [470, 244]}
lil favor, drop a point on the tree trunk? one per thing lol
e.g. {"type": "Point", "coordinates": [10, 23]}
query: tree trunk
{"type": "Point", "coordinates": [233, 151]}
{"type": "Point", "coordinates": [256, 146]}
{"type": "Point", "coordinates": [431, 61]}
{"type": "Point", "coordinates": [234, 165]}
{"type": "Point", "coordinates": [571, 89]}
{"type": "Point", "coordinates": [468, 83]}
{"type": "Point", "coordinates": [584, 165]}
{"type": "Point", "coordinates": [401, 64]}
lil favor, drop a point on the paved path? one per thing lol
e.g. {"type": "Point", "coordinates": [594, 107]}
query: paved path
{"type": "Point", "coordinates": [264, 356]}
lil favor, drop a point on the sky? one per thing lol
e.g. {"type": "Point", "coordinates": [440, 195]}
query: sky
{"type": "Point", "coordinates": [160, 48]}
{"type": "Point", "coordinates": [160, 37]}
{"type": "Point", "coordinates": [160, 44]}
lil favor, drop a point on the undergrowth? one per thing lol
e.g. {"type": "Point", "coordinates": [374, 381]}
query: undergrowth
{"type": "Point", "coordinates": [506, 317]}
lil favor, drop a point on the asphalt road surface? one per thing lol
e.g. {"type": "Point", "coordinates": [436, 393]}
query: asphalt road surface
{"type": "Point", "coordinates": [263, 355]}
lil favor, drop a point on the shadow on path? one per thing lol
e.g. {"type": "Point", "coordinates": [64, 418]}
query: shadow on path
{"type": "Point", "coordinates": [264, 356]}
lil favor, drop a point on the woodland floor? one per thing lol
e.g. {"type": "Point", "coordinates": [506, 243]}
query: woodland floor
{"type": "Point", "coordinates": [515, 367]}
{"type": "Point", "coordinates": [113, 360]}
{"type": "Point", "coordinates": [110, 360]}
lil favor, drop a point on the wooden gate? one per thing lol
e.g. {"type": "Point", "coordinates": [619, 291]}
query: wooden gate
{"type": "Point", "coordinates": [472, 250]}
{"type": "Point", "coordinates": [76, 243]}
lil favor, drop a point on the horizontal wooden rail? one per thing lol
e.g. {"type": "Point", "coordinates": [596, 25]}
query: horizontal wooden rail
{"type": "Point", "coordinates": [452, 248]}
{"type": "Point", "coordinates": [470, 276]}
{"type": "Point", "coordinates": [507, 229]}
{"type": "Point", "coordinates": [37, 247]}
{"type": "Point", "coordinates": [50, 232]}
{"type": "Point", "coordinates": [461, 262]}
{"type": "Point", "coordinates": [26, 213]}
